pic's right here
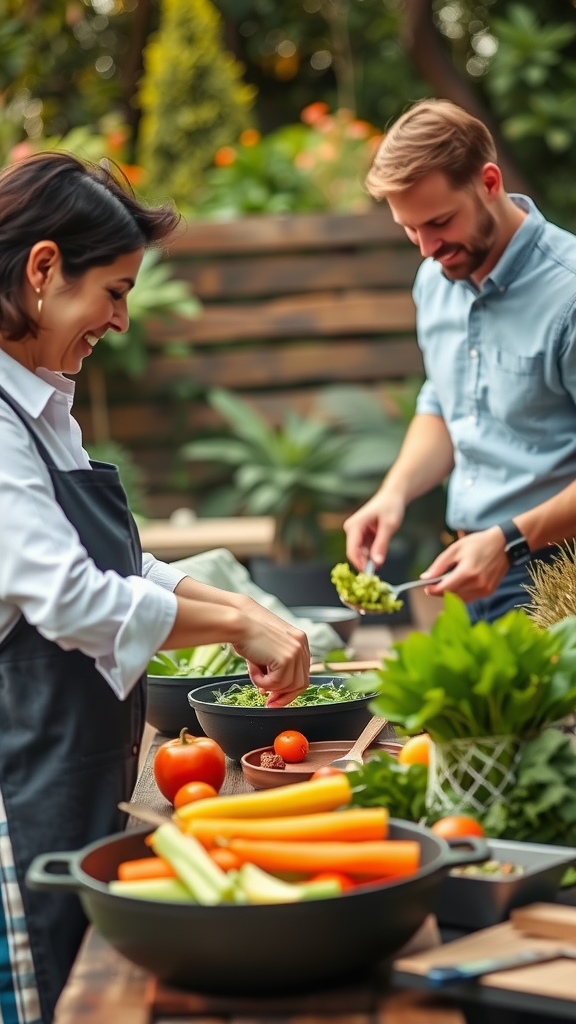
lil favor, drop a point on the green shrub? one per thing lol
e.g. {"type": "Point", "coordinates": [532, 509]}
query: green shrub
{"type": "Point", "coordinates": [192, 97]}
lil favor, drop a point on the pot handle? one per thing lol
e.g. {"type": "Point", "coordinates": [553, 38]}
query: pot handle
{"type": "Point", "coordinates": [468, 850]}
{"type": "Point", "coordinates": [38, 876]}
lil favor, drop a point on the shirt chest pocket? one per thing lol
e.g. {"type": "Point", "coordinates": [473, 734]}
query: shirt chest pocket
{"type": "Point", "coordinates": [516, 390]}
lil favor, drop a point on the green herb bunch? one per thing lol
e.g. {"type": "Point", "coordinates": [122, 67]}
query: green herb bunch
{"type": "Point", "coordinates": [249, 697]}
{"type": "Point", "coordinates": [382, 782]}
{"type": "Point", "coordinates": [506, 678]}
{"type": "Point", "coordinates": [541, 806]}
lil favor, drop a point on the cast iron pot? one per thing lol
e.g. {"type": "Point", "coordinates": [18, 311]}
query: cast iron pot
{"type": "Point", "coordinates": [237, 950]}
{"type": "Point", "coordinates": [167, 706]}
{"type": "Point", "coordinates": [239, 730]}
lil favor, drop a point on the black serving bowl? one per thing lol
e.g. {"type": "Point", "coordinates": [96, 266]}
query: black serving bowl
{"type": "Point", "coordinates": [167, 707]}
{"type": "Point", "coordinates": [240, 949]}
{"type": "Point", "coordinates": [343, 620]}
{"type": "Point", "coordinates": [239, 730]}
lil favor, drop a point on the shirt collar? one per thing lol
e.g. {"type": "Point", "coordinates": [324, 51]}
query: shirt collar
{"type": "Point", "coordinates": [33, 391]}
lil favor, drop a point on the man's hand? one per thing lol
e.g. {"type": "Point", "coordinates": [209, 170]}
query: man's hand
{"type": "Point", "coordinates": [370, 529]}
{"type": "Point", "coordinates": [476, 564]}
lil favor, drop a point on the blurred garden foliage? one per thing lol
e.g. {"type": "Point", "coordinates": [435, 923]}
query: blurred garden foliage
{"type": "Point", "coordinates": [79, 65]}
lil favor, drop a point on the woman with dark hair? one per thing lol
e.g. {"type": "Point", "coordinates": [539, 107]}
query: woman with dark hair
{"type": "Point", "coordinates": [81, 610]}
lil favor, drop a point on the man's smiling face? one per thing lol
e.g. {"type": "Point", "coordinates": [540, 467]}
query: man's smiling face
{"type": "Point", "coordinates": [456, 227]}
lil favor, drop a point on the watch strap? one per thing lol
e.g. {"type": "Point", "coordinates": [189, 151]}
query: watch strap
{"type": "Point", "coordinates": [516, 546]}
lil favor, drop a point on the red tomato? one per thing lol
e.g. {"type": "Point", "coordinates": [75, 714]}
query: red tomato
{"type": "Point", "coordinates": [188, 759]}
{"type": "Point", "coordinates": [457, 826]}
{"type": "Point", "coordinates": [325, 771]}
{"type": "Point", "coordinates": [327, 876]}
{"type": "Point", "coordinates": [291, 745]}
{"type": "Point", "coordinates": [192, 791]}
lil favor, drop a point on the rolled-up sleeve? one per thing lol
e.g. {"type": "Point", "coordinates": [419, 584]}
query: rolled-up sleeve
{"type": "Point", "coordinates": [162, 573]}
{"type": "Point", "coordinates": [48, 577]}
{"type": "Point", "coordinates": [427, 401]}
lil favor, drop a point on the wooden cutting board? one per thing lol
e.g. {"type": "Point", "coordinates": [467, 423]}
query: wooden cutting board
{"type": "Point", "coordinates": [554, 979]}
{"type": "Point", "coordinates": [546, 921]}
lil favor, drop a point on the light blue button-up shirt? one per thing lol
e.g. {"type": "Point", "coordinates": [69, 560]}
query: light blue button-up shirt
{"type": "Point", "coordinates": [501, 371]}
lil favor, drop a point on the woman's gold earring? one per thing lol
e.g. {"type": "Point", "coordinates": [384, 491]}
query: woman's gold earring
{"type": "Point", "coordinates": [39, 302]}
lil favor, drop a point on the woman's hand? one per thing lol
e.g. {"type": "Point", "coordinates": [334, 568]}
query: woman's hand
{"type": "Point", "coordinates": [277, 654]}
{"type": "Point", "coordinates": [476, 564]}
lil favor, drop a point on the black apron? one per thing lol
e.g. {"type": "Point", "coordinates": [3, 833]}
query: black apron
{"type": "Point", "coordinates": [68, 746]}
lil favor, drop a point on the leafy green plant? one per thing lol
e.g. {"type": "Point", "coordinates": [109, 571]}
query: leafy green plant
{"type": "Point", "coordinates": [192, 97]}
{"type": "Point", "coordinates": [294, 472]}
{"type": "Point", "coordinates": [506, 678]}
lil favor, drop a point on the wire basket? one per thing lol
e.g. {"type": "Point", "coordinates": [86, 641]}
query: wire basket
{"type": "Point", "coordinates": [468, 775]}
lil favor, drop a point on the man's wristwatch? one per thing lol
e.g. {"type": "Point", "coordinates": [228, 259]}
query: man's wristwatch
{"type": "Point", "coordinates": [516, 547]}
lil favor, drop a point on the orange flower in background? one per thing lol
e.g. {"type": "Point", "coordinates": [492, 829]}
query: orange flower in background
{"type": "Point", "coordinates": [305, 161]}
{"type": "Point", "coordinates": [250, 137]}
{"type": "Point", "coordinates": [21, 151]}
{"type": "Point", "coordinates": [116, 138]}
{"type": "Point", "coordinates": [314, 112]}
{"type": "Point", "coordinates": [359, 129]}
{"type": "Point", "coordinates": [225, 156]}
{"type": "Point", "coordinates": [134, 173]}
{"type": "Point", "coordinates": [325, 124]}
{"type": "Point", "coordinates": [373, 142]}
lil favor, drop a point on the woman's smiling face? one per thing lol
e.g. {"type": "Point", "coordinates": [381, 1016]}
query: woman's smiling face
{"type": "Point", "coordinates": [74, 313]}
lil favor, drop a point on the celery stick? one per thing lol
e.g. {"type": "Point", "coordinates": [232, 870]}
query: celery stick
{"type": "Point", "coordinates": [218, 665]}
{"type": "Point", "coordinates": [202, 658]}
{"type": "Point", "coordinates": [260, 887]}
{"type": "Point", "coordinates": [195, 868]}
{"type": "Point", "coordinates": [167, 890]}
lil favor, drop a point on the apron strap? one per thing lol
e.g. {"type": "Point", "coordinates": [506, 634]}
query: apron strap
{"type": "Point", "coordinates": [42, 450]}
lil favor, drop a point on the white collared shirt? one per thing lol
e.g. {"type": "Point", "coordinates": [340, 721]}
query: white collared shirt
{"type": "Point", "coordinates": [46, 574]}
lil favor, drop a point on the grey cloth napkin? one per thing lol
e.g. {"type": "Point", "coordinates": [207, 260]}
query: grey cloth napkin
{"type": "Point", "coordinates": [219, 568]}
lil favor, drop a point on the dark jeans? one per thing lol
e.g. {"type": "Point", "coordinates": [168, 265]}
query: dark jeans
{"type": "Point", "coordinates": [510, 594]}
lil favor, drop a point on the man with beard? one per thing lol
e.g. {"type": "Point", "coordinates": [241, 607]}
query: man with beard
{"type": "Point", "coordinates": [496, 312]}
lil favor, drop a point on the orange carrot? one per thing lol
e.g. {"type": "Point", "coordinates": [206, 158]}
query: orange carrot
{"type": "Point", "coordinates": [379, 858]}
{"type": "Point", "coordinates": [358, 823]}
{"type": "Point", "coordinates": [146, 867]}
{"type": "Point", "coordinates": [225, 859]}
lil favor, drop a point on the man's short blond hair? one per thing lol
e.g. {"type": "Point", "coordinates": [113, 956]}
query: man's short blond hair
{"type": "Point", "coordinates": [433, 135]}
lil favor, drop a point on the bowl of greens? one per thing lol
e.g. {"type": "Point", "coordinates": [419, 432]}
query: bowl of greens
{"type": "Point", "coordinates": [171, 674]}
{"type": "Point", "coordinates": [235, 713]}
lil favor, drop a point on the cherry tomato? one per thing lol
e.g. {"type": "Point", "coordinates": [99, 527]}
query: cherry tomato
{"type": "Point", "coordinates": [325, 771]}
{"type": "Point", "coordinates": [291, 745]}
{"type": "Point", "coordinates": [457, 826]}
{"type": "Point", "coordinates": [344, 881]}
{"type": "Point", "coordinates": [416, 750]}
{"type": "Point", "coordinates": [225, 859]}
{"type": "Point", "coordinates": [188, 759]}
{"type": "Point", "coordinates": [192, 791]}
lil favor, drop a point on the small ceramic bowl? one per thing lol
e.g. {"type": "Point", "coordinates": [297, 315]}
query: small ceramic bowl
{"type": "Point", "coordinates": [320, 753]}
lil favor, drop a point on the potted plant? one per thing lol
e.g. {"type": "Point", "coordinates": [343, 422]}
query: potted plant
{"type": "Point", "coordinates": [296, 472]}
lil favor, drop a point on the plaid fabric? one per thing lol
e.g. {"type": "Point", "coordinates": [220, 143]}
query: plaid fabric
{"type": "Point", "coordinates": [19, 1002]}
